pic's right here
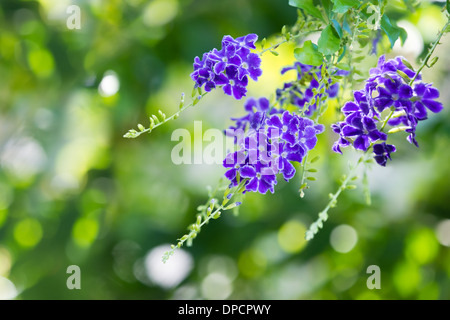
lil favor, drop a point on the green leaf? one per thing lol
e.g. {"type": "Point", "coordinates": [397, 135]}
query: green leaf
{"type": "Point", "coordinates": [448, 6]}
{"type": "Point", "coordinates": [329, 41]}
{"type": "Point", "coordinates": [392, 31]}
{"type": "Point", "coordinates": [307, 6]}
{"type": "Point", "coordinates": [342, 6]}
{"type": "Point", "coordinates": [337, 27]}
{"type": "Point", "coordinates": [309, 54]}
{"type": "Point", "coordinates": [328, 6]}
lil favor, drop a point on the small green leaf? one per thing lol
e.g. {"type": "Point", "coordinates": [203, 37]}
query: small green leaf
{"type": "Point", "coordinates": [448, 6]}
{"type": "Point", "coordinates": [407, 64]}
{"type": "Point", "coordinates": [433, 61]}
{"type": "Point", "coordinates": [329, 41]}
{"type": "Point", "coordinates": [337, 27]}
{"type": "Point", "coordinates": [315, 159]}
{"type": "Point", "coordinates": [231, 206]}
{"type": "Point", "coordinates": [392, 31]}
{"type": "Point", "coordinates": [309, 54]}
{"type": "Point", "coordinates": [307, 6]}
{"type": "Point", "coordinates": [342, 6]}
{"type": "Point", "coordinates": [403, 75]}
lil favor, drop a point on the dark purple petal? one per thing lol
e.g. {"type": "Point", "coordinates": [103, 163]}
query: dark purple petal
{"type": "Point", "coordinates": [311, 143]}
{"type": "Point", "coordinates": [350, 107]}
{"type": "Point", "coordinates": [431, 93]}
{"type": "Point", "coordinates": [319, 128]}
{"type": "Point", "coordinates": [264, 104]}
{"type": "Point", "coordinates": [254, 73]}
{"type": "Point", "coordinates": [420, 88]}
{"type": "Point", "coordinates": [336, 148]}
{"type": "Point", "coordinates": [433, 106]}
{"type": "Point", "coordinates": [239, 92]}
{"type": "Point", "coordinates": [349, 131]}
{"type": "Point", "coordinates": [252, 185]}
{"type": "Point", "coordinates": [250, 104]}
{"type": "Point", "coordinates": [288, 170]}
{"type": "Point", "coordinates": [361, 143]}
{"type": "Point", "coordinates": [369, 124]}
{"type": "Point", "coordinates": [381, 160]}
{"type": "Point", "coordinates": [420, 111]}
{"type": "Point", "coordinates": [405, 92]}
{"type": "Point", "coordinates": [231, 174]}
{"type": "Point", "coordinates": [274, 121]}
{"type": "Point", "coordinates": [247, 172]}
{"type": "Point", "coordinates": [227, 89]}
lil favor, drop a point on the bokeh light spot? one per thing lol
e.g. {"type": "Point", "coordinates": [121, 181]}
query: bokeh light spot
{"type": "Point", "coordinates": [406, 278]}
{"type": "Point", "coordinates": [160, 12]}
{"type": "Point", "coordinates": [422, 246]}
{"type": "Point", "coordinates": [85, 231]}
{"type": "Point", "coordinates": [109, 85]}
{"type": "Point", "coordinates": [8, 290]}
{"type": "Point", "coordinates": [443, 232]}
{"type": "Point", "coordinates": [28, 232]}
{"type": "Point", "coordinates": [41, 62]}
{"type": "Point", "coordinates": [170, 274]}
{"type": "Point", "coordinates": [291, 236]}
{"type": "Point", "coordinates": [252, 263]}
{"type": "Point", "coordinates": [343, 238]}
{"type": "Point", "coordinates": [216, 286]}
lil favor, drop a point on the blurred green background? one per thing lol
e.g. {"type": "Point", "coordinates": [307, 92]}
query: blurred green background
{"type": "Point", "coordinates": [73, 191]}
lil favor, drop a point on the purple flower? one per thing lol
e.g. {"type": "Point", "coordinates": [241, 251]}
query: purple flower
{"type": "Point", "coordinates": [307, 87]}
{"type": "Point", "coordinates": [383, 152]}
{"type": "Point", "coordinates": [257, 111]}
{"type": "Point", "coordinates": [228, 67]}
{"type": "Point", "coordinates": [359, 127]}
{"type": "Point", "coordinates": [426, 99]}
{"type": "Point", "coordinates": [258, 181]}
{"type": "Point", "coordinates": [394, 93]}
{"type": "Point", "coordinates": [269, 146]}
{"type": "Point", "coordinates": [390, 86]}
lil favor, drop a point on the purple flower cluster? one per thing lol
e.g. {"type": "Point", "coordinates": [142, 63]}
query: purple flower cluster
{"type": "Point", "coordinates": [392, 86]}
{"type": "Point", "coordinates": [229, 67]}
{"type": "Point", "coordinates": [268, 148]}
{"type": "Point", "coordinates": [301, 91]}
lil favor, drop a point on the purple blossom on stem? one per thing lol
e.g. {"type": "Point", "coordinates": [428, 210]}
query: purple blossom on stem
{"type": "Point", "coordinates": [307, 87]}
{"type": "Point", "coordinates": [392, 86]}
{"type": "Point", "coordinates": [269, 147]}
{"type": "Point", "coordinates": [383, 152]}
{"type": "Point", "coordinates": [229, 67]}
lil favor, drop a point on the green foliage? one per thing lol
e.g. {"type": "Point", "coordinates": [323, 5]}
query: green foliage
{"type": "Point", "coordinates": [309, 54]}
{"type": "Point", "coordinates": [342, 6]}
{"type": "Point", "coordinates": [329, 41]}
{"type": "Point", "coordinates": [392, 31]}
{"type": "Point", "coordinates": [308, 7]}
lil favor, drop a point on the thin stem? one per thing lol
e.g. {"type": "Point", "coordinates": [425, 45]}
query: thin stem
{"type": "Point", "coordinates": [172, 117]}
{"type": "Point", "coordinates": [213, 215]}
{"type": "Point", "coordinates": [323, 215]}
{"type": "Point", "coordinates": [387, 119]}
{"type": "Point", "coordinates": [430, 53]}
